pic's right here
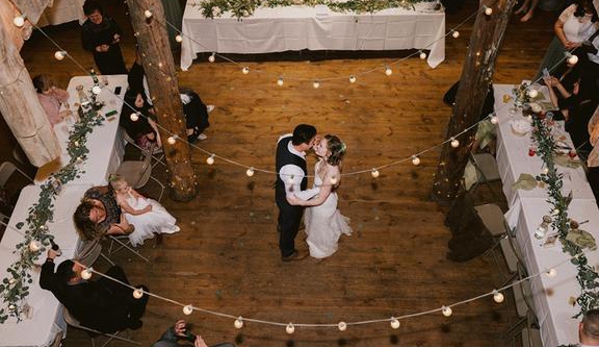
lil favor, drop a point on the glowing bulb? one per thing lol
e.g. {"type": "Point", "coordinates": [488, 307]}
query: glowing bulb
{"type": "Point", "coordinates": [494, 119]}
{"type": "Point", "coordinates": [59, 55]}
{"type": "Point", "coordinates": [454, 142]}
{"type": "Point", "coordinates": [551, 273]}
{"type": "Point", "coordinates": [179, 38]}
{"type": "Point", "coordinates": [210, 160]}
{"type": "Point", "coordinates": [352, 79]}
{"type": "Point", "coordinates": [572, 59]}
{"type": "Point", "coordinates": [316, 84]}
{"type": "Point", "coordinates": [280, 81]}
{"type": "Point", "coordinates": [422, 55]}
{"type": "Point", "coordinates": [395, 323]}
{"type": "Point", "coordinates": [342, 326]}
{"type": "Point", "coordinates": [455, 34]}
{"type": "Point", "coordinates": [375, 173]}
{"type": "Point", "coordinates": [290, 328]}
{"type": "Point", "coordinates": [11, 281]}
{"type": "Point", "coordinates": [388, 71]}
{"type": "Point", "coordinates": [533, 93]}
{"type": "Point", "coordinates": [290, 179]}
{"type": "Point", "coordinates": [498, 297]}
{"type": "Point", "coordinates": [86, 273]}
{"type": "Point", "coordinates": [333, 180]}
{"type": "Point", "coordinates": [20, 20]}
{"type": "Point", "coordinates": [148, 14]}
{"type": "Point", "coordinates": [555, 212]}
{"type": "Point", "coordinates": [96, 90]}
{"type": "Point", "coordinates": [172, 139]}
{"type": "Point", "coordinates": [488, 10]}
{"type": "Point", "coordinates": [187, 309]}
{"type": "Point", "coordinates": [138, 293]}
{"type": "Point", "coordinates": [134, 116]}
{"type": "Point", "coordinates": [35, 246]}
{"type": "Point", "coordinates": [446, 311]}
{"type": "Point", "coordinates": [245, 70]}
{"type": "Point", "coordinates": [238, 323]}
{"type": "Point", "coordinates": [212, 57]}
{"type": "Point", "coordinates": [415, 160]}
{"type": "Point", "coordinates": [250, 172]}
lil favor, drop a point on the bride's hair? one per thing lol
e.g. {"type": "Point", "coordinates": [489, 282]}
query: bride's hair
{"type": "Point", "coordinates": [337, 149]}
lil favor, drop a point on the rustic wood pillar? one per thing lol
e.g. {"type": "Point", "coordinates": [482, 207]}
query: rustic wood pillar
{"type": "Point", "coordinates": [20, 106]}
{"type": "Point", "coordinates": [164, 87]}
{"type": "Point", "coordinates": [477, 75]}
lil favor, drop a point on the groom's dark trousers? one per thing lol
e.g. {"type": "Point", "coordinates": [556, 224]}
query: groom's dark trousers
{"type": "Point", "coordinates": [289, 216]}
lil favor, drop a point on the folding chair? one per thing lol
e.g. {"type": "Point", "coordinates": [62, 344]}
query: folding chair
{"type": "Point", "coordinates": [72, 321]}
{"type": "Point", "coordinates": [156, 152]}
{"type": "Point", "coordinates": [139, 172]}
{"type": "Point", "coordinates": [486, 167]}
{"type": "Point", "coordinates": [118, 242]}
{"type": "Point", "coordinates": [89, 251]}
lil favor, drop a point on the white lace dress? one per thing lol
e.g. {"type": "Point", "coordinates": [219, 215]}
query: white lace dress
{"type": "Point", "coordinates": [157, 221]}
{"type": "Point", "coordinates": [324, 224]}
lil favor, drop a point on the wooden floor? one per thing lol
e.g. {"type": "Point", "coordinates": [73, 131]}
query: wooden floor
{"type": "Point", "coordinates": [226, 257]}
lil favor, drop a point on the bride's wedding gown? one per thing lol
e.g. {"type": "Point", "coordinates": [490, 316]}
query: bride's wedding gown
{"type": "Point", "coordinates": [324, 224]}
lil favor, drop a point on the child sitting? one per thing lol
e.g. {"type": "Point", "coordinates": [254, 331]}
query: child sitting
{"type": "Point", "coordinates": [148, 216]}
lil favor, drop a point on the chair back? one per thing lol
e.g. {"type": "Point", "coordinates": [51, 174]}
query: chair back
{"type": "Point", "coordinates": [6, 170]}
{"type": "Point", "coordinates": [89, 252]}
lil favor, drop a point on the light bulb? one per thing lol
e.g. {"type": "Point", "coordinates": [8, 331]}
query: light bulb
{"type": "Point", "coordinates": [19, 20]}
{"type": "Point", "coordinates": [572, 59]}
{"type": "Point", "coordinates": [493, 118]}
{"type": "Point", "coordinates": [238, 323]}
{"type": "Point", "coordinates": [179, 38]}
{"type": "Point", "coordinates": [59, 55]}
{"type": "Point", "coordinates": [187, 309]}
{"type": "Point", "coordinates": [134, 117]}
{"type": "Point", "coordinates": [148, 14]}
{"type": "Point", "coordinates": [333, 180]}
{"type": "Point", "coordinates": [388, 71]}
{"type": "Point", "coordinates": [555, 212]}
{"type": "Point", "coordinates": [172, 139]}
{"type": "Point", "coordinates": [316, 84]}
{"type": "Point", "coordinates": [395, 323]}
{"type": "Point", "coordinates": [245, 70]}
{"type": "Point", "coordinates": [415, 160]}
{"type": "Point", "coordinates": [210, 160]}
{"type": "Point", "coordinates": [455, 34]}
{"type": "Point", "coordinates": [250, 172]}
{"type": "Point", "coordinates": [498, 297]}
{"type": "Point", "coordinates": [212, 57]}
{"type": "Point", "coordinates": [280, 81]}
{"type": "Point", "coordinates": [11, 281]}
{"type": "Point", "coordinates": [342, 326]}
{"type": "Point", "coordinates": [551, 273]}
{"type": "Point", "coordinates": [35, 246]}
{"type": "Point", "coordinates": [454, 142]}
{"type": "Point", "coordinates": [533, 93]}
{"type": "Point", "coordinates": [375, 173]}
{"type": "Point", "coordinates": [488, 10]}
{"type": "Point", "coordinates": [422, 55]}
{"type": "Point", "coordinates": [446, 311]}
{"type": "Point", "coordinates": [352, 79]}
{"type": "Point", "coordinates": [138, 293]}
{"type": "Point", "coordinates": [86, 273]}
{"type": "Point", "coordinates": [290, 328]}
{"type": "Point", "coordinates": [96, 90]}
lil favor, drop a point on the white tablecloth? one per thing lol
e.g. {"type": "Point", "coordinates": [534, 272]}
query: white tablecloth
{"type": "Point", "coordinates": [105, 144]}
{"type": "Point", "coordinates": [46, 320]}
{"type": "Point", "coordinates": [62, 11]}
{"type": "Point", "coordinates": [295, 28]}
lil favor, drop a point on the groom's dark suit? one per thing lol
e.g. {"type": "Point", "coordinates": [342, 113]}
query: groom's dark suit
{"type": "Point", "coordinates": [289, 216]}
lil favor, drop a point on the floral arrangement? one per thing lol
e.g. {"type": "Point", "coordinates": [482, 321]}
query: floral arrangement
{"type": "Point", "coordinates": [15, 288]}
{"type": "Point", "coordinates": [521, 96]}
{"type": "Point", "coordinates": [245, 8]}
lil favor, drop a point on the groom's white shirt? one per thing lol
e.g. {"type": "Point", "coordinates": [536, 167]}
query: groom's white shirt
{"type": "Point", "coordinates": [298, 175]}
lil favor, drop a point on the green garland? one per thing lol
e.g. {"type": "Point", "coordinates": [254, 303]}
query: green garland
{"type": "Point", "coordinates": [15, 289]}
{"type": "Point", "coordinates": [246, 8]}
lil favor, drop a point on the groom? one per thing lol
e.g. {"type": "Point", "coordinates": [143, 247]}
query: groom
{"type": "Point", "coordinates": [291, 166]}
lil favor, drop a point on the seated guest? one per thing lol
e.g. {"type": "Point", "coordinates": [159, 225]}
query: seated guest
{"type": "Point", "coordinates": [144, 130]}
{"type": "Point", "coordinates": [588, 329]}
{"type": "Point", "coordinates": [179, 332]}
{"type": "Point", "coordinates": [99, 215]}
{"type": "Point", "coordinates": [103, 305]}
{"type": "Point", "coordinates": [51, 98]}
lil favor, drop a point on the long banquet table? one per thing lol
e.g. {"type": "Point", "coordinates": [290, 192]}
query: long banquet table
{"type": "Point", "coordinates": [551, 295]}
{"type": "Point", "coordinates": [62, 11]}
{"type": "Point", "coordinates": [316, 28]}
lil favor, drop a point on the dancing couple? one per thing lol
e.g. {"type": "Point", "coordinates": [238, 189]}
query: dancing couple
{"type": "Point", "coordinates": [324, 223]}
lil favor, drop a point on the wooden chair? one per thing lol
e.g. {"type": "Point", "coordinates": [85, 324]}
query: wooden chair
{"type": "Point", "coordinates": [72, 321]}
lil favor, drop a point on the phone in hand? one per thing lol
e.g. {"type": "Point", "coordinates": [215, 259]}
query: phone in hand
{"type": "Point", "coordinates": [117, 90]}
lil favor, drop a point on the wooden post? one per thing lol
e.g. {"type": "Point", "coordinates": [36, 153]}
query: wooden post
{"type": "Point", "coordinates": [164, 87]}
{"type": "Point", "coordinates": [477, 75]}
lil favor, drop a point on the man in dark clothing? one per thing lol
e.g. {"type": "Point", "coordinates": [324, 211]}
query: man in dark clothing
{"type": "Point", "coordinates": [103, 305]}
{"type": "Point", "coordinates": [101, 35]}
{"type": "Point", "coordinates": [178, 332]}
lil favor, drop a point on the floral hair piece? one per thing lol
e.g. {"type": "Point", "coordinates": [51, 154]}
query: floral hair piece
{"type": "Point", "coordinates": [343, 147]}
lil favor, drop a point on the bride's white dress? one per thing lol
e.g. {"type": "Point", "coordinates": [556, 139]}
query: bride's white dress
{"type": "Point", "coordinates": [324, 224]}
{"type": "Point", "coordinates": [157, 221]}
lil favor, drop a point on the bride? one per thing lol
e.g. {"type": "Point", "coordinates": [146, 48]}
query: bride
{"type": "Point", "coordinates": [324, 223]}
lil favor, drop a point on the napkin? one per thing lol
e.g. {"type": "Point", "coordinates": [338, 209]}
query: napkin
{"type": "Point", "coordinates": [581, 238]}
{"type": "Point", "coordinates": [565, 161]}
{"type": "Point", "coordinates": [525, 182]}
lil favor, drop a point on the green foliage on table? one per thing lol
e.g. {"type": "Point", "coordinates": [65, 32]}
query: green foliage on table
{"type": "Point", "coordinates": [245, 8]}
{"type": "Point", "coordinates": [15, 288]}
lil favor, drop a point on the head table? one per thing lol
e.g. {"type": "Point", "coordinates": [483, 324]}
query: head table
{"type": "Point", "coordinates": [551, 295]}
{"type": "Point", "coordinates": [294, 28]}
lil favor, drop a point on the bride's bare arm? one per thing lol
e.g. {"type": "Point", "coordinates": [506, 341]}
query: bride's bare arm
{"type": "Point", "coordinates": [323, 194]}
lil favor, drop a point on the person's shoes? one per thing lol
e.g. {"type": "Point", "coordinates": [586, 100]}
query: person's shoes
{"type": "Point", "coordinates": [202, 137]}
{"type": "Point", "coordinates": [135, 324]}
{"type": "Point", "coordinates": [296, 255]}
{"type": "Point", "coordinates": [210, 108]}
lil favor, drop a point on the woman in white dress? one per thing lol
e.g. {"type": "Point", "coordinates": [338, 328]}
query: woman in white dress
{"type": "Point", "coordinates": [147, 215]}
{"type": "Point", "coordinates": [324, 223]}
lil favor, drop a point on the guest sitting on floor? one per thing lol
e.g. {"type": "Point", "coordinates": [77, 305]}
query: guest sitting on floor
{"type": "Point", "coordinates": [99, 215]}
{"type": "Point", "coordinates": [196, 114]}
{"type": "Point", "coordinates": [588, 329]}
{"type": "Point", "coordinates": [51, 98]}
{"type": "Point", "coordinates": [102, 305]}
{"type": "Point", "coordinates": [179, 332]}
